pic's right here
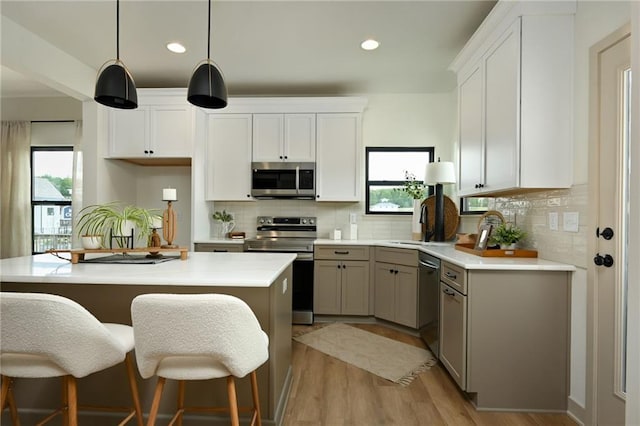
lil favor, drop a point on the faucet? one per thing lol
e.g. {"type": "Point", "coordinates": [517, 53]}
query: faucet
{"type": "Point", "coordinates": [424, 219]}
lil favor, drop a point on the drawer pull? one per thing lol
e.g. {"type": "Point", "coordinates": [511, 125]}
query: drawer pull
{"type": "Point", "coordinates": [341, 252]}
{"type": "Point", "coordinates": [448, 292]}
{"type": "Point", "coordinates": [450, 275]}
{"type": "Point", "coordinates": [220, 250]}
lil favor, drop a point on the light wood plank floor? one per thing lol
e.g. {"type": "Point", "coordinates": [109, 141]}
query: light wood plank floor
{"type": "Point", "coordinates": [329, 392]}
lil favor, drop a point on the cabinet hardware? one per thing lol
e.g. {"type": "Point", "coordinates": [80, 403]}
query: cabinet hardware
{"type": "Point", "coordinates": [607, 233]}
{"type": "Point", "coordinates": [450, 275]}
{"type": "Point", "coordinates": [220, 250]}
{"type": "Point", "coordinates": [341, 252]}
{"type": "Point", "coordinates": [448, 292]}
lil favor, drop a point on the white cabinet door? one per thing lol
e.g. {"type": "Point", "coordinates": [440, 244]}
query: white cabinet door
{"type": "Point", "coordinates": [300, 137]}
{"type": "Point", "coordinates": [128, 132]}
{"type": "Point", "coordinates": [170, 131]}
{"type": "Point", "coordinates": [471, 140]}
{"type": "Point", "coordinates": [502, 112]}
{"type": "Point", "coordinates": [268, 137]}
{"type": "Point", "coordinates": [338, 157]}
{"type": "Point", "coordinates": [284, 137]}
{"type": "Point", "coordinates": [228, 153]}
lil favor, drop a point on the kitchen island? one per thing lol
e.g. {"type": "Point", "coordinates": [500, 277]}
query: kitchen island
{"type": "Point", "coordinates": [263, 281]}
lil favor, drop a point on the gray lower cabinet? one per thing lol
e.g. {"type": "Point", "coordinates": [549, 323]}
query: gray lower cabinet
{"type": "Point", "coordinates": [504, 336]}
{"type": "Point", "coordinates": [218, 247]}
{"type": "Point", "coordinates": [341, 280]}
{"type": "Point", "coordinates": [396, 285]}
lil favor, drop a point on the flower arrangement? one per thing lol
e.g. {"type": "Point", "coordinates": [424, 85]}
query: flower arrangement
{"type": "Point", "coordinates": [506, 234]}
{"type": "Point", "coordinates": [223, 216]}
{"type": "Point", "coordinates": [415, 188]}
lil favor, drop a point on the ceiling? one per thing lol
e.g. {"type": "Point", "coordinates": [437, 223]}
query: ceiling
{"type": "Point", "coordinates": [263, 47]}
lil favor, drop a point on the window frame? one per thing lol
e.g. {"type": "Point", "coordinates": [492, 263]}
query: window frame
{"type": "Point", "coordinates": [368, 184]}
{"type": "Point", "coordinates": [465, 211]}
{"type": "Point", "coordinates": [44, 148]}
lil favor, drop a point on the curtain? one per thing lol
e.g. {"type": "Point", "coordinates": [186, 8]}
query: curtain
{"type": "Point", "coordinates": [15, 195]}
{"type": "Point", "coordinates": [76, 194]}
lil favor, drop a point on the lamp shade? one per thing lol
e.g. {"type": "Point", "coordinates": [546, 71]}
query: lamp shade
{"type": "Point", "coordinates": [207, 88]}
{"type": "Point", "coordinates": [115, 87]}
{"type": "Point", "coordinates": [440, 172]}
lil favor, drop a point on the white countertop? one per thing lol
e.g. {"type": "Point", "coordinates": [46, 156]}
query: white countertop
{"type": "Point", "coordinates": [200, 269]}
{"type": "Point", "coordinates": [447, 252]}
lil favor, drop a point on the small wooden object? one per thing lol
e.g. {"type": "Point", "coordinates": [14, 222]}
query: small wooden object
{"type": "Point", "coordinates": [469, 248]}
{"type": "Point", "coordinates": [78, 254]}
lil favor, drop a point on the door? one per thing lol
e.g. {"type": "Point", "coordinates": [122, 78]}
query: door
{"type": "Point", "coordinates": [327, 288]}
{"type": "Point", "coordinates": [608, 273]}
{"type": "Point", "coordinates": [471, 140]}
{"type": "Point", "coordinates": [355, 288]}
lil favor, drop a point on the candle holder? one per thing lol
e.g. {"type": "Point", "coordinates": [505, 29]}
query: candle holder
{"type": "Point", "coordinates": [169, 225]}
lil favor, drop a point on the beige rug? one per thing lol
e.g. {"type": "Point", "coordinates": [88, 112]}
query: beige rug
{"type": "Point", "coordinates": [384, 357]}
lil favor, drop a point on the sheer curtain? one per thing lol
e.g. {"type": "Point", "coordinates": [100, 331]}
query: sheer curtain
{"type": "Point", "coordinates": [15, 195]}
{"type": "Point", "coordinates": [76, 193]}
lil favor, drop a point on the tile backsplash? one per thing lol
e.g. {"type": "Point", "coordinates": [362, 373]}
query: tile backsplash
{"type": "Point", "coordinates": [529, 211]}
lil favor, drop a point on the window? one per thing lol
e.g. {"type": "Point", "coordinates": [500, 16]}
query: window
{"type": "Point", "coordinates": [386, 172]}
{"type": "Point", "coordinates": [475, 205]}
{"type": "Point", "coordinates": [51, 185]}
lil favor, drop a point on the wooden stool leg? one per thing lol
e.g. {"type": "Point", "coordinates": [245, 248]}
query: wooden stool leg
{"type": "Point", "coordinates": [181, 385]}
{"type": "Point", "coordinates": [8, 399]}
{"type": "Point", "coordinates": [155, 405]}
{"type": "Point", "coordinates": [133, 385]}
{"type": "Point", "coordinates": [233, 401]}
{"type": "Point", "coordinates": [72, 398]}
{"type": "Point", "coordinates": [65, 402]}
{"type": "Point", "coordinates": [256, 398]}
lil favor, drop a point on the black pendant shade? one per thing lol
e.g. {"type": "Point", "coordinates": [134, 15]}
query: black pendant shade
{"type": "Point", "coordinates": [207, 88]}
{"type": "Point", "coordinates": [115, 88]}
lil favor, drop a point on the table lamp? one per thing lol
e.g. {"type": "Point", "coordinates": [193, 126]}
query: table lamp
{"type": "Point", "coordinates": [169, 217]}
{"type": "Point", "coordinates": [439, 173]}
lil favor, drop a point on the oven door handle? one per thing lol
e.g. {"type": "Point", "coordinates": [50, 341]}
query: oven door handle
{"type": "Point", "coordinates": [297, 179]}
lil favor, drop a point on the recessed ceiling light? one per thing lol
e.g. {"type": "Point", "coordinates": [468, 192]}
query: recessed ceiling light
{"type": "Point", "coordinates": [370, 44]}
{"type": "Point", "coordinates": [176, 47]}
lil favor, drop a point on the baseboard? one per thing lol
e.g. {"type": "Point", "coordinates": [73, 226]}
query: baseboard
{"type": "Point", "coordinates": [576, 411]}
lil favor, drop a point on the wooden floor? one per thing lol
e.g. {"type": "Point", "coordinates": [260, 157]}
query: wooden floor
{"type": "Point", "coordinates": [329, 392]}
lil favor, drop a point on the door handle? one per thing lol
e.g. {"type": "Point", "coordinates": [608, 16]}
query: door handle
{"type": "Point", "coordinates": [606, 260]}
{"type": "Point", "coordinates": [607, 233]}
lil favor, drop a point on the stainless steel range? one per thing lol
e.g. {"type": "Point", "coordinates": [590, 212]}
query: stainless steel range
{"type": "Point", "coordinates": [291, 235]}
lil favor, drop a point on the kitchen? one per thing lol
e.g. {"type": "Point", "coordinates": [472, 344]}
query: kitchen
{"type": "Point", "coordinates": [399, 119]}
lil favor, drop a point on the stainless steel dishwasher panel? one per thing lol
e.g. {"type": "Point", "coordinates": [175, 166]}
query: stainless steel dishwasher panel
{"type": "Point", "coordinates": [429, 300]}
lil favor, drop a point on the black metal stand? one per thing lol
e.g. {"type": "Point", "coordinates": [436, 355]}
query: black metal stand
{"type": "Point", "coordinates": [439, 219]}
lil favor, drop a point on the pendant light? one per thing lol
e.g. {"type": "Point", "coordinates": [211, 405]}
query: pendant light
{"type": "Point", "coordinates": [206, 87]}
{"type": "Point", "coordinates": [115, 87]}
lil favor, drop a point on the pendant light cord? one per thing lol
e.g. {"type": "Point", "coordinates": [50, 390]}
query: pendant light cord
{"type": "Point", "coordinates": [209, 34]}
{"type": "Point", "coordinates": [118, 30]}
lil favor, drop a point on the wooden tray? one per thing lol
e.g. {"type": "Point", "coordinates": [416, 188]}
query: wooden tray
{"type": "Point", "coordinates": [78, 254]}
{"type": "Point", "coordinates": [469, 248]}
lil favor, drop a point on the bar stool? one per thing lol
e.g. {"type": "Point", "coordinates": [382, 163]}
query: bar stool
{"type": "Point", "coordinates": [198, 337]}
{"type": "Point", "coordinates": [44, 335]}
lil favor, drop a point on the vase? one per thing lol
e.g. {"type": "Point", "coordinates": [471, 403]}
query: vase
{"type": "Point", "coordinates": [416, 226]}
{"type": "Point", "coordinates": [91, 242]}
{"type": "Point", "coordinates": [225, 228]}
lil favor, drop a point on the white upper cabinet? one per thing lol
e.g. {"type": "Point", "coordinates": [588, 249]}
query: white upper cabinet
{"type": "Point", "coordinates": [284, 137]}
{"type": "Point", "coordinates": [228, 156]}
{"type": "Point", "coordinates": [339, 147]}
{"type": "Point", "coordinates": [515, 100]}
{"type": "Point", "coordinates": [160, 128]}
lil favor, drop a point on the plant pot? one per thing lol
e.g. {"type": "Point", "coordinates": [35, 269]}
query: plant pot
{"type": "Point", "coordinates": [511, 246]}
{"type": "Point", "coordinates": [416, 226]}
{"type": "Point", "coordinates": [91, 242]}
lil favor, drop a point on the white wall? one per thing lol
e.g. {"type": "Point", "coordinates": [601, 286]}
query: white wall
{"type": "Point", "coordinates": [40, 109]}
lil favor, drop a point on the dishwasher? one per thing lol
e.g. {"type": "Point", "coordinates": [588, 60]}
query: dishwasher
{"type": "Point", "coordinates": [429, 300]}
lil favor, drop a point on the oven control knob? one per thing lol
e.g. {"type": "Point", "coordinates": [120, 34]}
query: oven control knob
{"type": "Point", "coordinates": [311, 221]}
{"type": "Point", "coordinates": [269, 221]}
{"type": "Point", "coordinates": [304, 221]}
{"type": "Point", "coordinates": [261, 221]}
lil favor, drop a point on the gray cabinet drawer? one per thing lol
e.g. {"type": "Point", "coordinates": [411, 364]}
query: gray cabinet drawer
{"type": "Point", "coordinates": [341, 252]}
{"type": "Point", "coordinates": [397, 256]}
{"type": "Point", "coordinates": [218, 248]}
{"type": "Point", "coordinates": [455, 276]}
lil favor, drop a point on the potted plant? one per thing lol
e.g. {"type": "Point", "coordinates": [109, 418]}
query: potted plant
{"type": "Point", "coordinates": [226, 222]}
{"type": "Point", "coordinates": [506, 235]}
{"type": "Point", "coordinates": [115, 219]}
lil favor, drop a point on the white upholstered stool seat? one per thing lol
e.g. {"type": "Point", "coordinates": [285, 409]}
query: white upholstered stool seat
{"type": "Point", "coordinates": [45, 335]}
{"type": "Point", "coordinates": [198, 337]}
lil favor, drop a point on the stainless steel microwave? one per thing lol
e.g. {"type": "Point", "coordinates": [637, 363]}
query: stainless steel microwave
{"type": "Point", "coordinates": [283, 180]}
